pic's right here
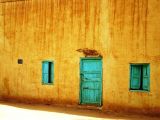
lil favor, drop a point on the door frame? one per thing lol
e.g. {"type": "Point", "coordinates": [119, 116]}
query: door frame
{"type": "Point", "coordinates": [80, 84]}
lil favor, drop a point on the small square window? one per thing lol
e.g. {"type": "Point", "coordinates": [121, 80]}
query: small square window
{"type": "Point", "coordinates": [140, 77]}
{"type": "Point", "coordinates": [20, 61]}
{"type": "Point", "coordinates": [47, 72]}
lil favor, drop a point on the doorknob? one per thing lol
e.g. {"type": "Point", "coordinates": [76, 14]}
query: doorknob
{"type": "Point", "coordinates": [85, 88]}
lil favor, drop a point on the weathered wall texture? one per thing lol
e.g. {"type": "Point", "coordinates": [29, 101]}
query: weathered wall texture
{"type": "Point", "coordinates": [123, 31]}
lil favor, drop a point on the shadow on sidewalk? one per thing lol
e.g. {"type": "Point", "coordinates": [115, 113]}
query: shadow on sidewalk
{"type": "Point", "coordinates": [78, 111]}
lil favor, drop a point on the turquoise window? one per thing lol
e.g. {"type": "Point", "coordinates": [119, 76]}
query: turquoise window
{"type": "Point", "coordinates": [140, 77]}
{"type": "Point", "coordinates": [47, 72]}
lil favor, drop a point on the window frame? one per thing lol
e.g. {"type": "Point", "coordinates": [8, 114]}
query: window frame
{"type": "Point", "coordinates": [130, 79]}
{"type": "Point", "coordinates": [52, 74]}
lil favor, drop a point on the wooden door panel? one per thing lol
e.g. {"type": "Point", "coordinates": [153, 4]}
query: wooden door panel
{"type": "Point", "coordinates": [91, 81]}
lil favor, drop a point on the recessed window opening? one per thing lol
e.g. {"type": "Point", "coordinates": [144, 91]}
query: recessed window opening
{"type": "Point", "coordinates": [50, 72]}
{"type": "Point", "coordinates": [47, 72]}
{"type": "Point", "coordinates": [140, 77]}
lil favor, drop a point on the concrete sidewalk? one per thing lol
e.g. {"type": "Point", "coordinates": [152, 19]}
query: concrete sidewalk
{"type": "Point", "coordinates": [19, 111]}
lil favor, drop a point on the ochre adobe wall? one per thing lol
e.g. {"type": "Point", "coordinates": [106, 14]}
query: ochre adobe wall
{"type": "Point", "coordinates": [123, 31]}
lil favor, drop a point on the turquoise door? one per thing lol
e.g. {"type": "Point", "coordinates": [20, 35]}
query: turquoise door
{"type": "Point", "coordinates": [91, 81]}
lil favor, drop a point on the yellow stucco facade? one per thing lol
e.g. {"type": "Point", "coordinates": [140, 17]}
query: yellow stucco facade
{"type": "Point", "coordinates": [123, 31]}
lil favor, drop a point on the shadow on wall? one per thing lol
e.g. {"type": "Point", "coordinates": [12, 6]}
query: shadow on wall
{"type": "Point", "coordinates": [6, 85]}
